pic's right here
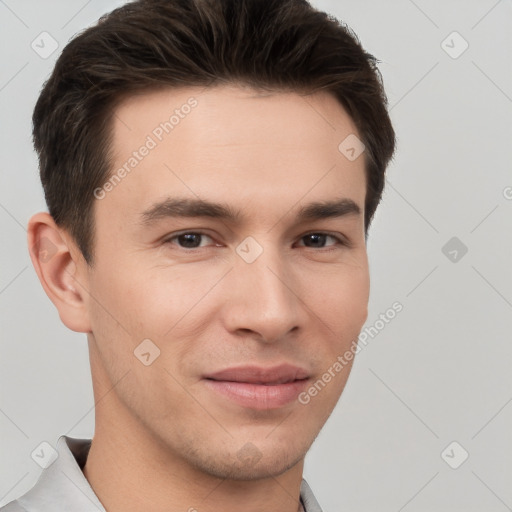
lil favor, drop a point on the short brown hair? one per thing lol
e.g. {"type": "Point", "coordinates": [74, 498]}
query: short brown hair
{"type": "Point", "coordinates": [276, 45]}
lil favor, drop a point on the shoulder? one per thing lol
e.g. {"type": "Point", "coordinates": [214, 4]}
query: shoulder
{"type": "Point", "coordinates": [13, 506]}
{"type": "Point", "coordinates": [310, 504]}
{"type": "Point", "coordinates": [61, 485]}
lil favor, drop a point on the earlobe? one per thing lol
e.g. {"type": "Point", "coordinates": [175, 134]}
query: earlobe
{"type": "Point", "coordinates": [57, 263]}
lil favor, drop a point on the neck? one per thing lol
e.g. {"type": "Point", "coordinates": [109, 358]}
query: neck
{"type": "Point", "coordinates": [131, 470]}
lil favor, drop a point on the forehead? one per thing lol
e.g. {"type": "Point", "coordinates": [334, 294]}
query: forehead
{"type": "Point", "coordinates": [231, 114]}
{"type": "Point", "coordinates": [227, 141]}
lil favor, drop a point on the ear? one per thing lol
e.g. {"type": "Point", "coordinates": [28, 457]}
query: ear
{"type": "Point", "coordinates": [61, 269]}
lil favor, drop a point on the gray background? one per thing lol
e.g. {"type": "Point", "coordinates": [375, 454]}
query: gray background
{"type": "Point", "coordinates": [438, 372]}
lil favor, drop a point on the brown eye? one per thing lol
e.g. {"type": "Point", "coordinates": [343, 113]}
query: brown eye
{"type": "Point", "coordinates": [188, 240]}
{"type": "Point", "coordinates": [318, 240]}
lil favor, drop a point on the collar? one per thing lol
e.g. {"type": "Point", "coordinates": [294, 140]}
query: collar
{"type": "Point", "coordinates": [62, 485]}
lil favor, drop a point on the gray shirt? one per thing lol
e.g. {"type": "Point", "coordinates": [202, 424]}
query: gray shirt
{"type": "Point", "coordinates": [63, 486]}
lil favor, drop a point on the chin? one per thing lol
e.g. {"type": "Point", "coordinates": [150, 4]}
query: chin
{"type": "Point", "coordinates": [249, 463]}
{"type": "Point", "coordinates": [244, 473]}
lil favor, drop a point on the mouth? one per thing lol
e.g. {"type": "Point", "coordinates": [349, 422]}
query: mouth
{"type": "Point", "coordinates": [257, 387]}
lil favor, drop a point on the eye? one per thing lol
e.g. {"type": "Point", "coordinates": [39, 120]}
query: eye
{"type": "Point", "coordinates": [188, 240]}
{"type": "Point", "coordinates": [195, 239]}
{"type": "Point", "coordinates": [318, 240]}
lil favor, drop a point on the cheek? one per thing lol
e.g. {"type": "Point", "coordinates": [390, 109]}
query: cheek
{"type": "Point", "coordinates": [144, 304]}
{"type": "Point", "coordinates": [340, 297]}
{"type": "Point", "coordinates": [124, 313]}
{"type": "Point", "coordinates": [120, 314]}
{"type": "Point", "coordinates": [170, 300]}
{"type": "Point", "coordinates": [340, 303]}
{"type": "Point", "coordinates": [170, 306]}
{"type": "Point", "coordinates": [354, 293]}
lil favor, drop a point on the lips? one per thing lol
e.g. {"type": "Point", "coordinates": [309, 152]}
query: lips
{"type": "Point", "coordinates": [281, 374]}
{"type": "Point", "coordinates": [257, 387]}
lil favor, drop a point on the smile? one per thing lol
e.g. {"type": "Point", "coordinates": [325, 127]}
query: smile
{"type": "Point", "coordinates": [259, 388]}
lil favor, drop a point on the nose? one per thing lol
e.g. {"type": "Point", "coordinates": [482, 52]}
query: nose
{"type": "Point", "coordinates": [263, 300]}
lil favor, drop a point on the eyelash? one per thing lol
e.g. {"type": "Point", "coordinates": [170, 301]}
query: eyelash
{"type": "Point", "coordinates": [341, 241]}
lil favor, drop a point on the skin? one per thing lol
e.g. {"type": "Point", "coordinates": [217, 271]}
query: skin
{"type": "Point", "coordinates": [158, 427]}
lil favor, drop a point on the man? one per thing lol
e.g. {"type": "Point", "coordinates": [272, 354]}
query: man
{"type": "Point", "coordinates": [211, 169]}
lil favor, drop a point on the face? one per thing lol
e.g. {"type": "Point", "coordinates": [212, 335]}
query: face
{"type": "Point", "coordinates": [214, 320]}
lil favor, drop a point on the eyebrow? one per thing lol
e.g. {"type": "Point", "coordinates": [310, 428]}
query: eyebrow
{"type": "Point", "coordinates": [186, 207]}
